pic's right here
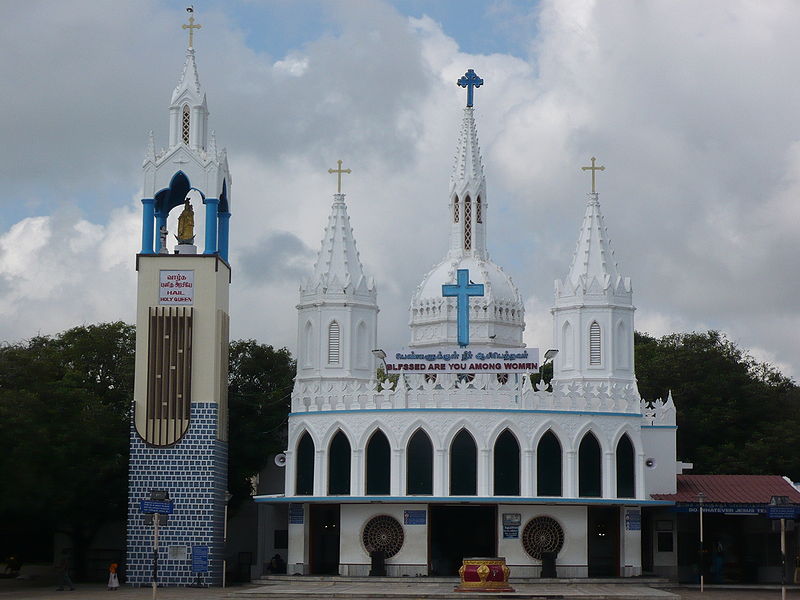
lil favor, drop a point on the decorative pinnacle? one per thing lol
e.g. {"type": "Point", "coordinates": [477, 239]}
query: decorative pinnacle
{"type": "Point", "coordinates": [191, 26]}
{"type": "Point", "coordinates": [339, 172]}
{"type": "Point", "coordinates": [470, 80]}
{"type": "Point", "coordinates": [593, 169]}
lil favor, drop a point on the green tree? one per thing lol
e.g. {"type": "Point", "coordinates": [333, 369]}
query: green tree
{"type": "Point", "coordinates": [64, 431]}
{"type": "Point", "coordinates": [259, 397]}
{"type": "Point", "coordinates": [735, 415]}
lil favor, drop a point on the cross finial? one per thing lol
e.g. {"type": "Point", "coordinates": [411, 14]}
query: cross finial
{"type": "Point", "coordinates": [191, 26]}
{"type": "Point", "coordinates": [470, 80]}
{"type": "Point", "coordinates": [339, 172]}
{"type": "Point", "coordinates": [593, 169]}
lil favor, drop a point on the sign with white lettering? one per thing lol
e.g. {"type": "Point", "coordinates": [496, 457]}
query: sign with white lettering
{"type": "Point", "coordinates": [473, 359]}
{"type": "Point", "coordinates": [176, 288]}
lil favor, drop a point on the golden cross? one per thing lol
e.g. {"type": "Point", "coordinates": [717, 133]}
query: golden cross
{"type": "Point", "coordinates": [593, 169]}
{"type": "Point", "coordinates": [339, 172]}
{"type": "Point", "coordinates": [191, 26]}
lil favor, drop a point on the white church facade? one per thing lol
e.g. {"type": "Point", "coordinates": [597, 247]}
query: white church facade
{"type": "Point", "coordinates": [557, 478]}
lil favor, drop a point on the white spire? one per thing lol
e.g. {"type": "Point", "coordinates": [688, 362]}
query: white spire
{"type": "Point", "coordinates": [150, 154]}
{"type": "Point", "coordinates": [468, 167]}
{"type": "Point", "coordinates": [594, 257]}
{"type": "Point", "coordinates": [338, 267]}
{"type": "Point", "coordinates": [189, 83]}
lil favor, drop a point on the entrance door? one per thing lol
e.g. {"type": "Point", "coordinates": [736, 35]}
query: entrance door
{"type": "Point", "coordinates": [457, 532]}
{"type": "Point", "coordinates": [324, 523]}
{"type": "Point", "coordinates": [603, 534]}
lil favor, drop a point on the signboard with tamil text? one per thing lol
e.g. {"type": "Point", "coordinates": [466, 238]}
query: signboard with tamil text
{"type": "Point", "coordinates": [176, 288]}
{"type": "Point", "coordinates": [473, 359]}
{"type": "Point", "coordinates": [200, 559]}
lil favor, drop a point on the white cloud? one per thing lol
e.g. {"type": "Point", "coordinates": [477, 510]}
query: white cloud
{"type": "Point", "coordinates": [690, 107]}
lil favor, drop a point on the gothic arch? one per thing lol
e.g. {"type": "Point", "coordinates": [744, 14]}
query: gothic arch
{"type": "Point", "coordinates": [362, 345]}
{"type": "Point", "coordinates": [413, 428]}
{"type": "Point", "coordinates": [590, 467]}
{"type": "Point", "coordinates": [506, 459]}
{"type": "Point", "coordinates": [549, 465]}
{"type": "Point", "coordinates": [463, 451]}
{"type": "Point", "coordinates": [334, 346]}
{"type": "Point", "coordinates": [377, 464]}
{"type": "Point", "coordinates": [595, 339]}
{"type": "Point", "coordinates": [419, 457]}
{"type": "Point", "coordinates": [551, 425]}
{"type": "Point", "coordinates": [333, 428]}
{"type": "Point", "coordinates": [625, 467]}
{"type": "Point", "coordinates": [370, 431]}
{"type": "Point", "coordinates": [507, 424]}
{"type": "Point", "coordinates": [632, 432]}
{"type": "Point", "coordinates": [456, 428]}
{"type": "Point", "coordinates": [592, 428]}
{"type": "Point", "coordinates": [340, 452]}
{"type": "Point", "coordinates": [305, 452]}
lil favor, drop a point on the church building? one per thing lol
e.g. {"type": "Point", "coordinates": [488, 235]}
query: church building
{"type": "Point", "coordinates": [464, 455]}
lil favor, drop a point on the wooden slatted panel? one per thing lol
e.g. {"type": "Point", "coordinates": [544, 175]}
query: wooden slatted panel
{"type": "Point", "coordinates": [169, 374]}
{"type": "Point", "coordinates": [334, 340]}
{"type": "Point", "coordinates": [594, 344]}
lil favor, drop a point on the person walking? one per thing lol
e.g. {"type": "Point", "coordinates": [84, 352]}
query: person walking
{"type": "Point", "coordinates": [63, 571]}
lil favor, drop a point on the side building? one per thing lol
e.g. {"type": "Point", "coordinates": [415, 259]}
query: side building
{"type": "Point", "coordinates": [440, 467]}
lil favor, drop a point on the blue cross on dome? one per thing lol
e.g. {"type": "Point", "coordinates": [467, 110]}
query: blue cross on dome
{"type": "Point", "coordinates": [470, 80]}
{"type": "Point", "coordinates": [462, 291]}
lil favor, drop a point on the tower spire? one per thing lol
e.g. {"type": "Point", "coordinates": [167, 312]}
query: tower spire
{"type": "Point", "coordinates": [468, 183]}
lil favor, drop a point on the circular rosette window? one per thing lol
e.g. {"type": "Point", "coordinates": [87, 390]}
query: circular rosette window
{"type": "Point", "coordinates": [542, 534]}
{"type": "Point", "coordinates": [383, 533]}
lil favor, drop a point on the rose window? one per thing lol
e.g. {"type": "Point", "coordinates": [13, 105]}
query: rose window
{"type": "Point", "coordinates": [542, 534]}
{"type": "Point", "coordinates": [383, 533]}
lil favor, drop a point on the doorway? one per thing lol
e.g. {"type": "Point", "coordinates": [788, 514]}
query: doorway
{"type": "Point", "coordinates": [458, 532]}
{"type": "Point", "coordinates": [324, 542]}
{"type": "Point", "coordinates": [603, 537]}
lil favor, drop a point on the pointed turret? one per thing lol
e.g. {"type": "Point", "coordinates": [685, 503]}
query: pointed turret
{"type": "Point", "coordinates": [593, 313]}
{"type": "Point", "coordinates": [338, 311]}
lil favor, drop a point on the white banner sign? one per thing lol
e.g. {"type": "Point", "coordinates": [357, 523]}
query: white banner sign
{"type": "Point", "coordinates": [472, 359]}
{"type": "Point", "coordinates": [176, 287]}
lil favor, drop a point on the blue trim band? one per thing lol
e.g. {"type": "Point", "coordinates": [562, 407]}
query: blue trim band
{"type": "Point", "coordinates": [462, 499]}
{"type": "Point", "coordinates": [659, 426]}
{"type": "Point", "coordinates": [500, 410]}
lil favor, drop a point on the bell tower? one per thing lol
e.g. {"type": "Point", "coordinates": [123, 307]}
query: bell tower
{"type": "Point", "coordinates": [179, 433]}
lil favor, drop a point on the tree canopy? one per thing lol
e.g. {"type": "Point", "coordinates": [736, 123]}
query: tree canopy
{"type": "Point", "coordinates": [735, 414]}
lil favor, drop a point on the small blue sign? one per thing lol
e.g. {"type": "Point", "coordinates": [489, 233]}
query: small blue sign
{"type": "Point", "coordinates": [633, 519]}
{"type": "Point", "coordinates": [783, 511]}
{"type": "Point", "coordinates": [155, 506]}
{"type": "Point", "coordinates": [296, 514]}
{"type": "Point", "coordinates": [200, 559]}
{"type": "Point", "coordinates": [415, 517]}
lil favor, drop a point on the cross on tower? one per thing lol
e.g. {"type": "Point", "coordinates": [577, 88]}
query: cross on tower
{"type": "Point", "coordinates": [462, 291]}
{"type": "Point", "coordinates": [339, 172]}
{"type": "Point", "coordinates": [593, 169]}
{"type": "Point", "coordinates": [470, 80]}
{"type": "Point", "coordinates": [191, 26]}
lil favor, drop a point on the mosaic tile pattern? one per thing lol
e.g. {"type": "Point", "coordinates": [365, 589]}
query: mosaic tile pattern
{"type": "Point", "coordinates": [194, 471]}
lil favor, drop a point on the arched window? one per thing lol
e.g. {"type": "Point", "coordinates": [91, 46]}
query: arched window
{"type": "Point", "coordinates": [626, 479]}
{"type": "Point", "coordinates": [467, 223]}
{"type": "Point", "coordinates": [548, 465]}
{"type": "Point", "coordinates": [567, 346]}
{"type": "Point", "coordinates": [621, 346]}
{"type": "Point", "coordinates": [304, 476]}
{"type": "Point", "coordinates": [590, 480]}
{"type": "Point", "coordinates": [334, 340]}
{"type": "Point", "coordinates": [506, 465]}
{"type": "Point", "coordinates": [478, 210]}
{"type": "Point", "coordinates": [185, 124]}
{"type": "Point", "coordinates": [308, 338]}
{"type": "Point", "coordinates": [463, 465]}
{"type": "Point", "coordinates": [378, 464]}
{"type": "Point", "coordinates": [419, 470]}
{"type": "Point", "coordinates": [594, 343]}
{"type": "Point", "coordinates": [339, 465]}
{"type": "Point", "coordinates": [362, 345]}
{"type": "Point", "coordinates": [455, 209]}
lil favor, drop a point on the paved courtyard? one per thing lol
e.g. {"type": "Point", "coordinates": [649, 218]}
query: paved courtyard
{"type": "Point", "coordinates": [319, 590]}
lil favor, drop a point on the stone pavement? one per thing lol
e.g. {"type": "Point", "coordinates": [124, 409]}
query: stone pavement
{"type": "Point", "coordinates": [37, 590]}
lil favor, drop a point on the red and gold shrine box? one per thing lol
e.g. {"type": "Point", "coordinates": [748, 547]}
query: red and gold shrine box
{"type": "Point", "coordinates": [484, 575]}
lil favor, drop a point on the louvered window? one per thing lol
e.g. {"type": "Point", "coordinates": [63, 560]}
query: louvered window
{"type": "Point", "coordinates": [594, 344]}
{"type": "Point", "coordinates": [185, 125]}
{"type": "Point", "coordinates": [467, 224]}
{"type": "Point", "coordinates": [334, 339]}
{"type": "Point", "coordinates": [478, 211]}
{"type": "Point", "coordinates": [455, 210]}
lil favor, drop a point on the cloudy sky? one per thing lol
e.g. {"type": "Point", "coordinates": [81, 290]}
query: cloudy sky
{"type": "Point", "coordinates": [691, 106]}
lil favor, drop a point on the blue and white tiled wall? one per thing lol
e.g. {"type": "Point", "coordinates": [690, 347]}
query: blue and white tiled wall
{"type": "Point", "coordinates": [195, 472]}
